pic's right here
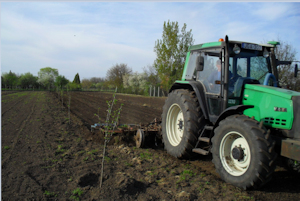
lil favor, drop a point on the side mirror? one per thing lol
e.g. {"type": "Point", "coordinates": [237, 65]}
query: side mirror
{"type": "Point", "coordinates": [296, 70]}
{"type": "Point", "coordinates": [283, 62]}
{"type": "Point", "coordinates": [200, 63]}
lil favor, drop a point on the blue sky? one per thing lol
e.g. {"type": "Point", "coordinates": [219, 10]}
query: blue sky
{"type": "Point", "coordinates": [89, 38]}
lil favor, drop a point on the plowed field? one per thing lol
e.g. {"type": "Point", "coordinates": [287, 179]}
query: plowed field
{"type": "Point", "coordinates": [48, 154]}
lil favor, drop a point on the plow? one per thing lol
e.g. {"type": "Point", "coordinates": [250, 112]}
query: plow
{"type": "Point", "coordinates": [143, 134]}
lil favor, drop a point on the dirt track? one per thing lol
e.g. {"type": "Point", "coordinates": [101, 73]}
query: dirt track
{"type": "Point", "coordinates": [46, 158]}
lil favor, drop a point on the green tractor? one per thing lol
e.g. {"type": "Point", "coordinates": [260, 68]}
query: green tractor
{"type": "Point", "coordinates": [228, 103]}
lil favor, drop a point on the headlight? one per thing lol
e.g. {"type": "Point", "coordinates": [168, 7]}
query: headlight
{"type": "Point", "coordinates": [236, 49]}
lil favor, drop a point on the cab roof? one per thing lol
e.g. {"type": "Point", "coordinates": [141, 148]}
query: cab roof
{"type": "Point", "coordinates": [222, 43]}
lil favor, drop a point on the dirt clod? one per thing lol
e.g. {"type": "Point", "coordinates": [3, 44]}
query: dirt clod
{"type": "Point", "coordinates": [89, 179]}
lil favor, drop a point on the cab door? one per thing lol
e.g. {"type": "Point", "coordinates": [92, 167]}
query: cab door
{"type": "Point", "coordinates": [211, 77]}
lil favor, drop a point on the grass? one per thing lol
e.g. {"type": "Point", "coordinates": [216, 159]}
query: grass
{"type": "Point", "coordinates": [50, 194]}
{"type": "Point", "coordinates": [76, 194]}
{"type": "Point", "coordinates": [185, 175]}
{"type": "Point", "coordinates": [17, 95]}
{"type": "Point", "coordinates": [50, 166]}
{"type": "Point", "coordinates": [107, 159]}
{"type": "Point", "coordinates": [6, 147]}
{"type": "Point", "coordinates": [128, 164]}
{"type": "Point", "coordinates": [201, 188]}
{"type": "Point", "coordinates": [93, 151]}
{"type": "Point", "coordinates": [146, 155]}
{"type": "Point", "coordinates": [59, 149]}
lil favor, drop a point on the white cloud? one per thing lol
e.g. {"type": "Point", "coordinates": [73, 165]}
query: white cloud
{"type": "Point", "coordinates": [272, 11]}
{"type": "Point", "coordinates": [88, 38]}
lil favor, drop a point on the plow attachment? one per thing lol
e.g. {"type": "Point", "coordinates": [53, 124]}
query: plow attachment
{"type": "Point", "coordinates": [143, 134]}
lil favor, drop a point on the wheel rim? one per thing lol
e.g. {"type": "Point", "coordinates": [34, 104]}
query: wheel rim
{"type": "Point", "coordinates": [175, 124]}
{"type": "Point", "coordinates": [139, 138]}
{"type": "Point", "coordinates": [235, 153]}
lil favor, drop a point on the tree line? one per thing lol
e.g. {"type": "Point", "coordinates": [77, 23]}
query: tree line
{"type": "Point", "coordinates": [47, 79]}
{"type": "Point", "coordinates": [119, 75]}
{"type": "Point", "coordinates": [167, 67]}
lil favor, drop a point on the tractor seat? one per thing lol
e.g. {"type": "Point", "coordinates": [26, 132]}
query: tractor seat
{"type": "Point", "coordinates": [240, 83]}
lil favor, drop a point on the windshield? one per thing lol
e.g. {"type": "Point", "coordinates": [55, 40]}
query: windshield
{"type": "Point", "coordinates": [252, 67]}
{"type": "Point", "coordinates": [245, 66]}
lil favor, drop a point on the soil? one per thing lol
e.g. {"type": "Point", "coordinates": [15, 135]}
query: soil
{"type": "Point", "coordinates": [51, 154]}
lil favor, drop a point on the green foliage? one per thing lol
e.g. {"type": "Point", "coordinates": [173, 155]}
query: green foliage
{"type": "Point", "coordinates": [47, 76]}
{"type": "Point", "coordinates": [171, 52]}
{"type": "Point", "coordinates": [111, 122]}
{"type": "Point", "coordinates": [107, 159]}
{"type": "Point", "coordinates": [76, 79]}
{"type": "Point", "coordinates": [146, 155]}
{"type": "Point", "coordinates": [61, 81]}
{"type": "Point", "coordinates": [93, 151]}
{"type": "Point", "coordinates": [6, 147]}
{"type": "Point", "coordinates": [128, 164]}
{"type": "Point", "coordinates": [73, 86]}
{"type": "Point", "coordinates": [186, 174]}
{"type": "Point", "coordinates": [76, 194]}
{"type": "Point", "coordinates": [9, 80]}
{"type": "Point", "coordinates": [59, 149]}
{"type": "Point", "coordinates": [27, 80]}
{"type": "Point", "coordinates": [50, 194]}
{"type": "Point", "coordinates": [86, 84]}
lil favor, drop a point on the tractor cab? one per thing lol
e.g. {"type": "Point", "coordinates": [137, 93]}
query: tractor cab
{"type": "Point", "coordinates": [223, 68]}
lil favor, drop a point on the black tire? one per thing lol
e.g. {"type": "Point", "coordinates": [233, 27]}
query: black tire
{"type": "Point", "coordinates": [182, 119]}
{"type": "Point", "coordinates": [243, 152]}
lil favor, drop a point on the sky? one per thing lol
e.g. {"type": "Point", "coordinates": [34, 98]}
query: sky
{"type": "Point", "coordinates": [90, 37]}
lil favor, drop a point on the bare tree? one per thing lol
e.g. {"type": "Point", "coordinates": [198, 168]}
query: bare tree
{"type": "Point", "coordinates": [86, 84]}
{"type": "Point", "coordinates": [152, 74]}
{"type": "Point", "coordinates": [96, 80]}
{"type": "Point", "coordinates": [115, 74]}
{"type": "Point", "coordinates": [286, 52]}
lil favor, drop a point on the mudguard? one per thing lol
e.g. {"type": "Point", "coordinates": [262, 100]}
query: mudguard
{"type": "Point", "coordinates": [237, 109]}
{"type": "Point", "coordinates": [198, 88]}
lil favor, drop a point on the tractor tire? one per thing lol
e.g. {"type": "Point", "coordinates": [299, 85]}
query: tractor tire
{"type": "Point", "coordinates": [243, 152]}
{"type": "Point", "coordinates": [182, 121]}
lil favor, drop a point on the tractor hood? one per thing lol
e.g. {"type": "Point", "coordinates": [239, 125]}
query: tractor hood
{"type": "Point", "coordinates": [276, 107]}
{"type": "Point", "coordinates": [284, 93]}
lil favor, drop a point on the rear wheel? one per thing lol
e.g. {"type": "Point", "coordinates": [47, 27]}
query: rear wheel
{"type": "Point", "coordinates": [243, 152]}
{"type": "Point", "coordinates": [182, 120]}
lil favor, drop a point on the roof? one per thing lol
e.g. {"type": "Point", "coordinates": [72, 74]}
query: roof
{"type": "Point", "coordinates": [219, 44]}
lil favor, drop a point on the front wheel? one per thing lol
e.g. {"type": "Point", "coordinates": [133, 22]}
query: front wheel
{"type": "Point", "coordinates": [243, 152]}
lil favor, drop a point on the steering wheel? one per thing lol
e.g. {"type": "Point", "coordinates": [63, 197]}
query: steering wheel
{"type": "Point", "coordinates": [267, 79]}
